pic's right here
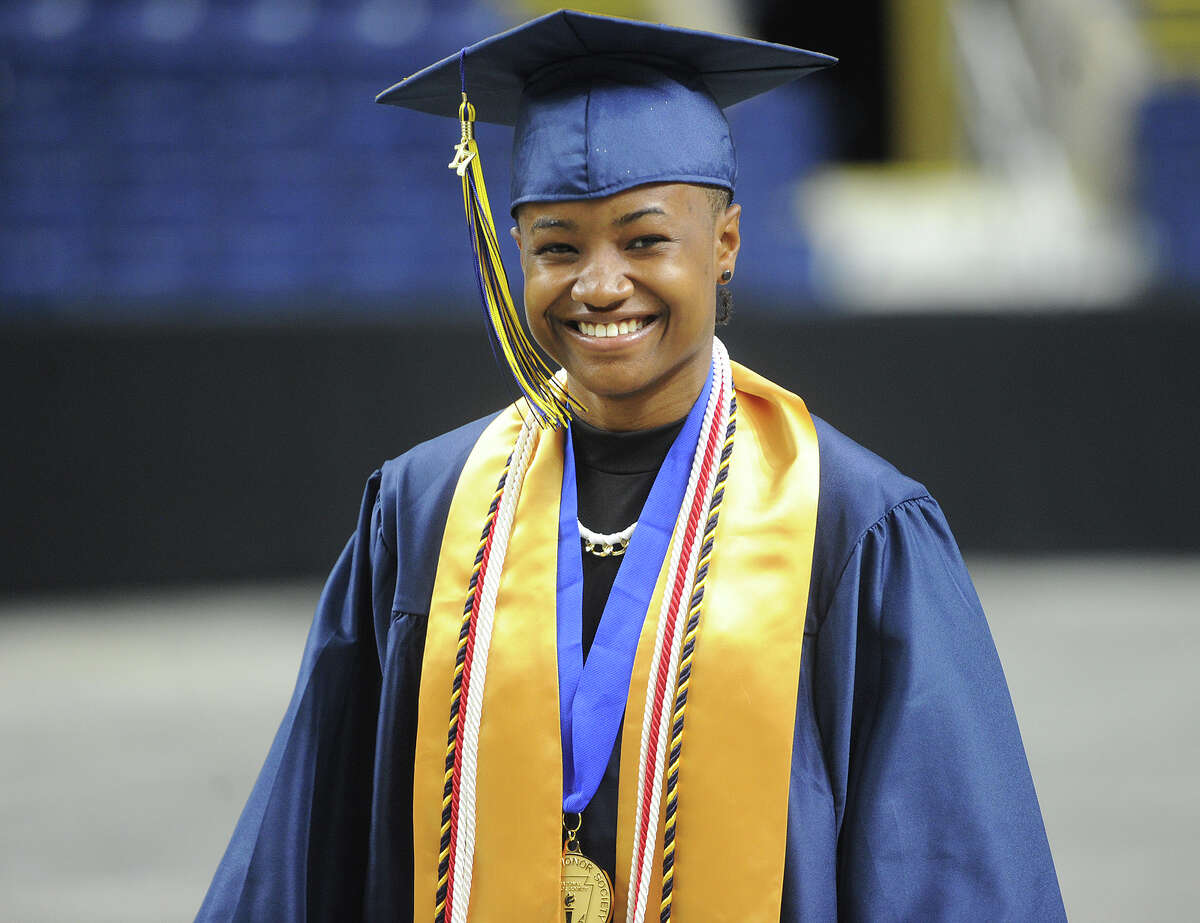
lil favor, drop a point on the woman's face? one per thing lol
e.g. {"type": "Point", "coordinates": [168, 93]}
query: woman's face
{"type": "Point", "coordinates": [621, 292]}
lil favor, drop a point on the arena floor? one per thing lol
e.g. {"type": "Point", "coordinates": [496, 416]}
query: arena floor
{"type": "Point", "coordinates": [133, 725]}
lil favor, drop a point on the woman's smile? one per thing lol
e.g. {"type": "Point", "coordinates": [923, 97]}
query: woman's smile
{"type": "Point", "coordinates": [612, 329]}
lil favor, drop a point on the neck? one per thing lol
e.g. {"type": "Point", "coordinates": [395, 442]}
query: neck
{"type": "Point", "coordinates": [622, 420]}
{"type": "Point", "coordinates": [663, 402]}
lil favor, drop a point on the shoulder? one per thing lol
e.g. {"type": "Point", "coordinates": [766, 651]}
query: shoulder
{"type": "Point", "coordinates": [858, 491]}
{"type": "Point", "coordinates": [433, 465]}
{"type": "Point", "coordinates": [857, 486]}
{"type": "Point", "coordinates": [414, 500]}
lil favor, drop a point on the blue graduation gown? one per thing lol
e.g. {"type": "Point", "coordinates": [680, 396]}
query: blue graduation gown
{"type": "Point", "coordinates": [910, 797]}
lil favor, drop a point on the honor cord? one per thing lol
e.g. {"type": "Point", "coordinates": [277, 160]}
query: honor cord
{"type": "Point", "coordinates": [681, 574]}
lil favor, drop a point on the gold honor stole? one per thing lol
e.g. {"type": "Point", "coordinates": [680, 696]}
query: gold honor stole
{"type": "Point", "coordinates": [736, 759]}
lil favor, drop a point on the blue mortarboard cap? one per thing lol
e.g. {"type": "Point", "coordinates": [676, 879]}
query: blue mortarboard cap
{"type": "Point", "coordinates": [602, 104]}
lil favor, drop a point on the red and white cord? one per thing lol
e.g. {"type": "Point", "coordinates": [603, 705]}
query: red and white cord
{"type": "Point", "coordinates": [681, 575]}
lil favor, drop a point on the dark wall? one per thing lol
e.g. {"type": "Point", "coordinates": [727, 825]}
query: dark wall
{"type": "Point", "coordinates": [859, 88]}
{"type": "Point", "coordinates": [147, 455]}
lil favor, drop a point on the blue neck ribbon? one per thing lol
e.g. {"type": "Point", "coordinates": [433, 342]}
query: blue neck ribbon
{"type": "Point", "coordinates": [591, 697]}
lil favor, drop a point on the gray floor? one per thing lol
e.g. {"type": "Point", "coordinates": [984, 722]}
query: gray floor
{"type": "Point", "coordinates": [133, 724]}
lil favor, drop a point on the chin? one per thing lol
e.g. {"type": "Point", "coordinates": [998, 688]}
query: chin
{"type": "Point", "coordinates": [613, 382]}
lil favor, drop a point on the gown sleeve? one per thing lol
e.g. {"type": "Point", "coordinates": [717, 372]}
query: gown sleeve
{"type": "Point", "coordinates": [299, 851]}
{"type": "Point", "coordinates": [935, 813]}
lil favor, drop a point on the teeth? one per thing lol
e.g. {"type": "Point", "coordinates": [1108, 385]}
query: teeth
{"type": "Point", "coordinates": [601, 331]}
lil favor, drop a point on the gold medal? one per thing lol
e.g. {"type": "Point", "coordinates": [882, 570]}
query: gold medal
{"type": "Point", "coordinates": [586, 890]}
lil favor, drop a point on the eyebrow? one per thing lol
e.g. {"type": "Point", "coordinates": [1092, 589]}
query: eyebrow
{"type": "Point", "coordinates": [541, 224]}
{"type": "Point", "coordinates": [640, 213]}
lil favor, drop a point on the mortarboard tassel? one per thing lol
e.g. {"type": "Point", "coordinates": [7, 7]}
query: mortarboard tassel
{"type": "Point", "coordinates": [548, 400]}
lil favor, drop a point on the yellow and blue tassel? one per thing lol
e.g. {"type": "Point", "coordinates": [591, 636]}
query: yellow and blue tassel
{"type": "Point", "coordinates": [548, 400]}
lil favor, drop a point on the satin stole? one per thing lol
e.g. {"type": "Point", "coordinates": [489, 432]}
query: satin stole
{"type": "Point", "coordinates": [736, 758]}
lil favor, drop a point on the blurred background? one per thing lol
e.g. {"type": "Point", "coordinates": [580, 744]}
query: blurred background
{"type": "Point", "coordinates": [231, 285]}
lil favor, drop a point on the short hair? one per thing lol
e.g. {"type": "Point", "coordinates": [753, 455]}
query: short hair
{"type": "Point", "coordinates": [718, 199]}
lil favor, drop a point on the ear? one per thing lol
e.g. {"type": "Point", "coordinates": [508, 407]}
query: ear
{"type": "Point", "coordinates": [515, 233]}
{"type": "Point", "coordinates": [727, 239]}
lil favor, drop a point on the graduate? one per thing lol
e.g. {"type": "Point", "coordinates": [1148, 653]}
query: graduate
{"type": "Point", "coordinates": [653, 642]}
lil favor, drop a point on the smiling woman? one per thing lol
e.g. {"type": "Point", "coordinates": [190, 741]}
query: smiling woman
{"type": "Point", "coordinates": [653, 641]}
{"type": "Point", "coordinates": [620, 291]}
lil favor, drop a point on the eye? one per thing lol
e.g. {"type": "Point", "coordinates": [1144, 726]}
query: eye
{"type": "Point", "coordinates": [553, 249]}
{"type": "Point", "coordinates": [646, 241]}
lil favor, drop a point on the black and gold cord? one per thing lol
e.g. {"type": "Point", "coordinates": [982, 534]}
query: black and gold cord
{"type": "Point", "coordinates": [685, 667]}
{"type": "Point", "coordinates": [439, 913]}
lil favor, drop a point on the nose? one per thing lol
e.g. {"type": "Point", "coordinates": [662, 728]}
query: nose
{"type": "Point", "coordinates": [602, 283]}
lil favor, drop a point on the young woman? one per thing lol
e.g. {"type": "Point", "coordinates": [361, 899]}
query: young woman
{"type": "Point", "coordinates": [653, 641]}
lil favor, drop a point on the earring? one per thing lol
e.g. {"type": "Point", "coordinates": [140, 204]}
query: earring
{"type": "Point", "coordinates": [727, 275]}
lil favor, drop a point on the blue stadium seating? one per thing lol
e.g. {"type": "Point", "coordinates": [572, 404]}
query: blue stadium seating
{"type": "Point", "coordinates": [1168, 177]}
{"type": "Point", "coordinates": [231, 151]}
